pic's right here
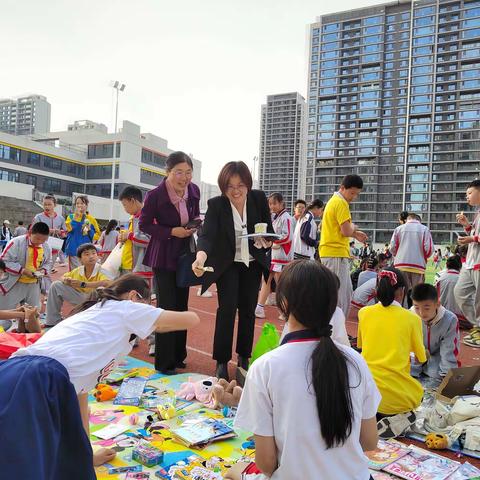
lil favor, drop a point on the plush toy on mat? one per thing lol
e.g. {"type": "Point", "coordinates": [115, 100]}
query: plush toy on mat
{"type": "Point", "coordinates": [226, 394]}
{"type": "Point", "coordinates": [436, 441]}
{"type": "Point", "coordinates": [104, 392]}
{"type": "Point", "coordinates": [201, 390]}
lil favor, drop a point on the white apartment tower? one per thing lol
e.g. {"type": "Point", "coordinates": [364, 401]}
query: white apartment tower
{"type": "Point", "coordinates": [25, 115]}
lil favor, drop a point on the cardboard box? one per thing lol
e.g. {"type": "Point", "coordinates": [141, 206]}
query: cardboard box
{"type": "Point", "coordinates": [457, 382]}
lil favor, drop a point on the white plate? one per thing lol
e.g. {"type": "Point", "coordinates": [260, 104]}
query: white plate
{"type": "Point", "coordinates": [267, 236]}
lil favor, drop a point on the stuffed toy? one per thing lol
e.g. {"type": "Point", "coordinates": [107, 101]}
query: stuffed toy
{"type": "Point", "coordinates": [201, 390]}
{"type": "Point", "coordinates": [104, 392]}
{"type": "Point", "coordinates": [226, 394]}
{"type": "Point", "coordinates": [436, 441]}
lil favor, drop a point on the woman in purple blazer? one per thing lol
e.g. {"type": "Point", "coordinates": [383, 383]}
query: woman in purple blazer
{"type": "Point", "coordinates": [166, 211]}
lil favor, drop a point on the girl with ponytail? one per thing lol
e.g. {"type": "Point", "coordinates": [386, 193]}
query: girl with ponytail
{"type": "Point", "coordinates": [387, 333]}
{"type": "Point", "coordinates": [311, 403]}
{"type": "Point", "coordinates": [44, 387]}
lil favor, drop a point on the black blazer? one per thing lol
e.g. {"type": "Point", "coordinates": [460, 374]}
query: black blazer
{"type": "Point", "coordinates": [217, 237]}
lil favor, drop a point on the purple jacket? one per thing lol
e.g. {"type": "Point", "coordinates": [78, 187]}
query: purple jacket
{"type": "Point", "coordinates": [158, 217]}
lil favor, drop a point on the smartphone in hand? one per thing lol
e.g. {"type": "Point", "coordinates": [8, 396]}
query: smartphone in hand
{"type": "Point", "coordinates": [193, 223]}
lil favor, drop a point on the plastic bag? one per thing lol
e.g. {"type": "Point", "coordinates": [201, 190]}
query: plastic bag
{"type": "Point", "coordinates": [269, 340]}
{"type": "Point", "coordinates": [112, 264]}
{"type": "Point", "coordinates": [11, 342]}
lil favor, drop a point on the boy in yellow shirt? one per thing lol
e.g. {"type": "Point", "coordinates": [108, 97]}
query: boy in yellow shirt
{"type": "Point", "coordinates": [337, 229]}
{"type": "Point", "coordinates": [75, 285]}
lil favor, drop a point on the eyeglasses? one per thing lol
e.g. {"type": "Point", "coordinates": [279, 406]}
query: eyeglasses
{"type": "Point", "coordinates": [238, 187]}
{"type": "Point", "coordinates": [182, 173]}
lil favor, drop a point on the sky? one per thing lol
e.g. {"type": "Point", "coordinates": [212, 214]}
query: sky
{"type": "Point", "coordinates": [196, 71]}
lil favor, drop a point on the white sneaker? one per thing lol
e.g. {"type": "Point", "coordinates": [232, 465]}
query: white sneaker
{"type": "Point", "coordinates": [260, 312]}
{"type": "Point", "coordinates": [271, 300]}
{"type": "Point", "coordinates": [151, 350]}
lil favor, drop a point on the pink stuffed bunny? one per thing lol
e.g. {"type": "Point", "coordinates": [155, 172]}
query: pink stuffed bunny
{"type": "Point", "coordinates": [201, 390]}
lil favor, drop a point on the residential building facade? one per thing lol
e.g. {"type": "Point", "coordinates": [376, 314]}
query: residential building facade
{"type": "Point", "coordinates": [394, 95]}
{"type": "Point", "coordinates": [25, 115]}
{"type": "Point", "coordinates": [281, 143]}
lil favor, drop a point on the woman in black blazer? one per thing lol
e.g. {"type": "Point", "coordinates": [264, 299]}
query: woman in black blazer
{"type": "Point", "coordinates": [238, 264]}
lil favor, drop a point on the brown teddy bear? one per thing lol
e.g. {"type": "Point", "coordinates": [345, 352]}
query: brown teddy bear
{"type": "Point", "coordinates": [226, 394]}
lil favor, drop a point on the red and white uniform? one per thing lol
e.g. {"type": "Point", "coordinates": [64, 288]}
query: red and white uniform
{"type": "Point", "coordinates": [282, 249]}
{"type": "Point", "coordinates": [412, 246]}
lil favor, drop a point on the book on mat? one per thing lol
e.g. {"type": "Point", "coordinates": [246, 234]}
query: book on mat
{"type": "Point", "coordinates": [131, 391]}
{"type": "Point", "coordinates": [202, 432]}
{"type": "Point", "coordinates": [376, 475]}
{"type": "Point", "coordinates": [385, 454]}
{"type": "Point", "coordinates": [465, 472]}
{"type": "Point", "coordinates": [421, 465]}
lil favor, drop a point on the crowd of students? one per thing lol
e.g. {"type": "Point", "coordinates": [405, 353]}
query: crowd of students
{"type": "Point", "coordinates": [355, 396]}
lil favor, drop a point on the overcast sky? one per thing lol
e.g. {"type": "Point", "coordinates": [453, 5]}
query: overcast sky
{"type": "Point", "coordinates": [196, 71]}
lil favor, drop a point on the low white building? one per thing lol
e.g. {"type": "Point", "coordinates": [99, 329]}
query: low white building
{"type": "Point", "coordinates": [80, 160]}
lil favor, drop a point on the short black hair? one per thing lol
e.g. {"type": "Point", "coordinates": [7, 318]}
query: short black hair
{"type": "Point", "coordinates": [303, 202]}
{"type": "Point", "coordinates": [474, 183]}
{"type": "Point", "coordinates": [352, 181]}
{"type": "Point", "coordinates": [41, 228]}
{"type": "Point", "coordinates": [131, 193]}
{"type": "Point", "coordinates": [2, 265]}
{"type": "Point", "coordinates": [423, 292]}
{"type": "Point", "coordinates": [276, 197]}
{"type": "Point", "coordinates": [175, 158]}
{"type": "Point", "coordinates": [414, 216]}
{"type": "Point", "coordinates": [454, 262]}
{"type": "Point", "coordinates": [317, 203]}
{"type": "Point", "coordinates": [20, 222]}
{"type": "Point", "coordinates": [402, 216]}
{"type": "Point", "coordinates": [85, 247]}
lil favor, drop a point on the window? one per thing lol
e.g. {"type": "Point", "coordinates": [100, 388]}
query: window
{"type": "Point", "coordinates": [99, 171]}
{"type": "Point", "coordinates": [420, 12]}
{"type": "Point", "coordinates": [372, 20]}
{"type": "Point", "coordinates": [51, 185]}
{"type": "Point", "coordinates": [102, 150]}
{"type": "Point", "coordinates": [329, 37]}
{"type": "Point", "coordinates": [8, 176]}
{"type": "Point", "coordinates": [372, 39]}
{"type": "Point", "coordinates": [471, 33]}
{"type": "Point", "coordinates": [330, 27]}
{"type": "Point", "coordinates": [33, 158]}
{"type": "Point", "coordinates": [52, 163]}
{"type": "Point", "coordinates": [423, 40]}
{"type": "Point", "coordinates": [31, 180]}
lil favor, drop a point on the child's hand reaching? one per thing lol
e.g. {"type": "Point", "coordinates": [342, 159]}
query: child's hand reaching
{"type": "Point", "coordinates": [103, 455]}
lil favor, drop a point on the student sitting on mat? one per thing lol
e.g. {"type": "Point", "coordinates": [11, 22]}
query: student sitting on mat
{"type": "Point", "coordinates": [441, 335]}
{"type": "Point", "coordinates": [387, 333]}
{"type": "Point", "coordinates": [76, 285]}
{"type": "Point", "coordinates": [44, 387]}
{"type": "Point", "coordinates": [310, 403]}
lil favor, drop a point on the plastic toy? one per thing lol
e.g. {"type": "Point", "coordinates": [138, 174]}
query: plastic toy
{"type": "Point", "coordinates": [436, 441]}
{"type": "Point", "coordinates": [201, 390]}
{"type": "Point", "coordinates": [104, 392]}
{"type": "Point", "coordinates": [166, 411]}
{"type": "Point", "coordinates": [226, 394]}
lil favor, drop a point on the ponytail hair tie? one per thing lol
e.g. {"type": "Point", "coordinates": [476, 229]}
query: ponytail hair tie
{"type": "Point", "coordinates": [325, 331]}
{"type": "Point", "coordinates": [392, 276]}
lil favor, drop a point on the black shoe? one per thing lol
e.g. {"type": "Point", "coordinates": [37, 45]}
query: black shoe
{"type": "Point", "coordinates": [243, 362]}
{"type": "Point", "coordinates": [222, 371]}
{"type": "Point", "coordinates": [181, 365]}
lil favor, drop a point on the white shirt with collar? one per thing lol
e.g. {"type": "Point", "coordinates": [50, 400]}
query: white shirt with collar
{"type": "Point", "coordinates": [242, 252]}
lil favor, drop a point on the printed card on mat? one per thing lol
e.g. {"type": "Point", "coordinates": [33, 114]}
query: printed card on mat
{"type": "Point", "coordinates": [385, 454]}
{"type": "Point", "coordinates": [422, 466]}
{"type": "Point", "coordinates": [465, 472]}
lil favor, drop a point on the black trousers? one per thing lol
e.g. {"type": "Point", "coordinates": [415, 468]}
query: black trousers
{"type": "Point", "coordinates": [237, 289]}
{"type": "Point", "coordinates": [170, 348]}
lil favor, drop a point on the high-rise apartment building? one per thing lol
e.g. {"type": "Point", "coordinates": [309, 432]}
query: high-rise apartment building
{"type": "Point", "coordinates": [25, 115]}
{"type": "Point", "coordinates": [281, 144]}
{"type": "Point", "coordinates": [394, 95]}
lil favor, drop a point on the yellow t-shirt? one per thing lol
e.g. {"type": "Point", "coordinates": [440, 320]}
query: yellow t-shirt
{"type": "Point", "coordinates": [332, 242]}
{"type": "Point", "coordinates": [386, 336]}
{"type": "Point", "coordinates": [127, 250]}
{"type": "Point", "coordinates": [79, 274]}
{"type": "Point", "coordinates": [34, 260]}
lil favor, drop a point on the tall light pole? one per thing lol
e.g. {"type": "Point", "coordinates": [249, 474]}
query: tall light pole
{"type": "Point", "coordinates": [119, 87]}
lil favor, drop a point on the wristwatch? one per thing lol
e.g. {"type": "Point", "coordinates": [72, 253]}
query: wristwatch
{"type": "Point", "coordinates": [83, 285]}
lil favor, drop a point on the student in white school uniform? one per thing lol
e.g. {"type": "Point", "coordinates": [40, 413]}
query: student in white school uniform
{"type": "Point", "coordinates": [319, 430]}
{"type": "Point", "coordinates": [282, 249]}
{"type": "Point", "coordinates": [71, 359]}
{"type": "Point", "coordinates": [362, 297]}
{"type": "Point", "coordinates": [305, 239]}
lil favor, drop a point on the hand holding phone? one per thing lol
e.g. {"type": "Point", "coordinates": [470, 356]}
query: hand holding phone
{"type": "Point", "coordinates": [193, 223]}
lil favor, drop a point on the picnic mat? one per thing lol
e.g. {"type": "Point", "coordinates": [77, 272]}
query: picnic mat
{"type": "Point", "coordinates": [216, 455]}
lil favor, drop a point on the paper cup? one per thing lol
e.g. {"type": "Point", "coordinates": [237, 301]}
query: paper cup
{"type": "Point", "coordinates": [260, 228]}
